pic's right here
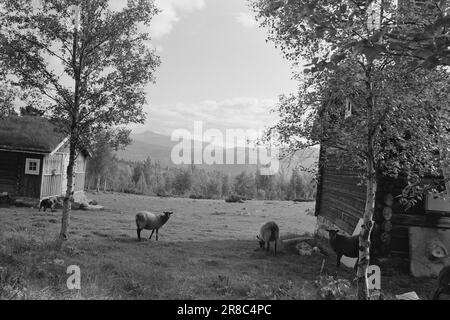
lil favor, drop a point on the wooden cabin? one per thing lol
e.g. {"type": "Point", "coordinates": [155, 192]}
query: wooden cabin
{"type": "Point", "coordinates": [34, 159]}
{"type": "Point", "coordinates": [341, 201]}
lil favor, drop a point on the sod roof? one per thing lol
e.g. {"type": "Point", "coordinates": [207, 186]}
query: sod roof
{"type": "Point", "coordinates": [34, 134]}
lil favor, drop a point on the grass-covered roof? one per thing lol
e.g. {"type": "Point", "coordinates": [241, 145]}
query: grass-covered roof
{"type": "Point", "coordinates": [28, 133]}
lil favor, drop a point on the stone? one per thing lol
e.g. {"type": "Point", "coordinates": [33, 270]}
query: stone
{"type": "Point", "coordinates": [304, 249]}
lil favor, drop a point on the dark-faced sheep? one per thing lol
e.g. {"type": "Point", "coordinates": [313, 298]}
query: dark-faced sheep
{"type": "Point", "coordinates": [269, 232]}
{"type": "Point", "coordinates": [344, 246]}
{"type": "Point", "coordinates": [443, 283]}
{"type": "Point", "coordinates": [47, 204]}
{"type": "Point", "coordinates": [151, 221]}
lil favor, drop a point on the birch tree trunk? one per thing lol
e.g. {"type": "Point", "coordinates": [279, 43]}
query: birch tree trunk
{"type": "Point", "coordinates": [74, 138]}
{"type": "Point", "coordinates": [68, 197]}
{"type": "Point", "coordinates": [443, 138]}
{"type": "Point", "coordinates": [364, 236]}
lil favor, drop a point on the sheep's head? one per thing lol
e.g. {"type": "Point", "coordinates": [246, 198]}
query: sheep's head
{"type": "Point", "coordinates": [332, 233]}
{"type": "Point", "coordinates": [261, 241]}
{"type": "Point", "coordinates": [168, 213]}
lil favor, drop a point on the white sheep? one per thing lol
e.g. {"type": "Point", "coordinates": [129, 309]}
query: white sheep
{"type": "Point", "coordinates": [151, 221]}
{"type": "Point", "coordinates": [269, 232]}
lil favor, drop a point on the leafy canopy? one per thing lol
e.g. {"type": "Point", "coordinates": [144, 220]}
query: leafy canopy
{"type": "Point", "coordinates": [327, 31]}
{"type": "Point", "coordinates": [91, 68]}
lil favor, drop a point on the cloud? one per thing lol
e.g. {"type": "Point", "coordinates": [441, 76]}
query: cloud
{"type": "Point", "coordinates": [163, 23]}
{"type": "Point", "coordinates": [247, 20]}
{"type": "Point", "coordinates": [171, 11]}
{"type": "Point", "coordinates": [237, 113]}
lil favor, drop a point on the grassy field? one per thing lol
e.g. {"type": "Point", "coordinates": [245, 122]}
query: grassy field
{"type": "Point", "coordinates": [207, 250]}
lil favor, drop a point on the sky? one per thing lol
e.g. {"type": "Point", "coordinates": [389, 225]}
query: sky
{"type": "Point", "coordinates": [216, 67]}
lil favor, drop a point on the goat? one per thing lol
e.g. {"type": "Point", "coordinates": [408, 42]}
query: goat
{"type": "Point", "coordinates": [443, 283]}
{"type": "Point", "coordinates": [269, 232]}
{"type": "Point", "coordinates": [151, 221]}
{"type": "Point", "coordinates": [344, 246]}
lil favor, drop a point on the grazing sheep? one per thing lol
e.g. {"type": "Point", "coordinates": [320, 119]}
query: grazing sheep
{"type": "Point", "coordinates": [344, 246]}
{"type": "Point", "coordinates": [269, 232]}
{"type": "Point", "coordinates": [47, 204]}
{"type": "Point", "coordinates": [443, 283]}
{"type": "Point", "coordinates": [151, 221]}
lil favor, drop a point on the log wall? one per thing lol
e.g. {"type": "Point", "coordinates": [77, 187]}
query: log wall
{"type": "Point", "coordinates": [13, 179]}
{"type": "Point", "coordinates": [342, 197]}
{"type": "Point", "coordinates": [341, 200]}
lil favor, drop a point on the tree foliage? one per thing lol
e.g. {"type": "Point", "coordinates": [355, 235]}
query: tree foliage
{"type": "Point", "coordinates": [102, 163]}
{"type": "Point", "coordinates": [364, 94]}
{"type": "Point", "coordinates": [151, 178]}
{"type": "Point", "coordinates": [7, 97]}
{"type": "Point", "coordinates": [91, 64]}
{"type": "Point", "coordinates": [330, 30]}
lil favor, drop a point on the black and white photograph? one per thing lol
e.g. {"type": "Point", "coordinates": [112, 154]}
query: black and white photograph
{"type": "Point", "coordinates": [224, 154]}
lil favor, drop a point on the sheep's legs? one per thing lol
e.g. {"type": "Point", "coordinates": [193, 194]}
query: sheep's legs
{"type": "Point", "coordinates": [356, 265]}
{"type": "Point", "coordinates": [138, 234]}
{"type": "Point", "coordinates": [275, 248]}
{"type": "Point", "coordinates": [157, 234]}
{"type": "Point", "coordinates": [267, 246]}
{"type": "Point", "coordinates": [338, 261]}
{"type": "Point", "coordinates": [152, 235]}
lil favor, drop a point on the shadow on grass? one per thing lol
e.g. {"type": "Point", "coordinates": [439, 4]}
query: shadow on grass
{"type": "Point", "coordinates": [120, 267]}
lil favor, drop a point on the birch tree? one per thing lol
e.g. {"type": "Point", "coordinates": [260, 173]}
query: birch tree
{"type": "Point", "coordinates": [91, 63]}
{"type": "Point", "coordinates": [348, 61]}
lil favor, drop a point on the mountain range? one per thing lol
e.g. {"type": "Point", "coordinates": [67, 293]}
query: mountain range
{"type": "Point", "coordinates": [159, 148]}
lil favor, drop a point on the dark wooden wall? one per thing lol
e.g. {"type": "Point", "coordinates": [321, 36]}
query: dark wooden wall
{"type": "Point", "coordinates": [13, 178]}
{"type": "Point", "coordinates": [341, 199]}
{"type": "Point", "coordinates": [8, 172]}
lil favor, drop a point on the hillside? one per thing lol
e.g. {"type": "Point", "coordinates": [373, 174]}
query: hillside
{"type": "Point", "coordinates": [159, 148]}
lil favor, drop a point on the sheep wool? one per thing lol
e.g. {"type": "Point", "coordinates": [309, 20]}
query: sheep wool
{"type": "Point", "coordinates": [151, 221]}
{"type": "Point", "coordinates": [269, 232]}
{"type": "Point", "coordinates": [344, 246]}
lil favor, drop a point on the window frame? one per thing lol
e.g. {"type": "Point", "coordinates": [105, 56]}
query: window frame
{"type": "Point", "coordinates": [30, 171]}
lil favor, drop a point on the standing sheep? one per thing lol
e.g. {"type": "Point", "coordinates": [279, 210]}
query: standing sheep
{"type": "Point", "coordinates": [344, 246]}
{"type": "Point", "coordinates": [151, 221]}
{"type": "Point", "coordinates": [269, 232]}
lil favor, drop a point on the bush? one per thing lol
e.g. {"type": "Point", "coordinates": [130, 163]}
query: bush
{"type": "Point", "coordinates": [234, 199]}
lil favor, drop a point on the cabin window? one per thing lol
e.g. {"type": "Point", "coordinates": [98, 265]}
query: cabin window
{"type": "Point", "coordinates": [32, 166]}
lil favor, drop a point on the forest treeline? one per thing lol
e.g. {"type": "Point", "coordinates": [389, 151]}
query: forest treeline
{"type": "Point", "coordinates": [153, 178]}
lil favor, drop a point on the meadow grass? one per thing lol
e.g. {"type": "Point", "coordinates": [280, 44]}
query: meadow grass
{"type": "Point", "coordinates": [200, 255]}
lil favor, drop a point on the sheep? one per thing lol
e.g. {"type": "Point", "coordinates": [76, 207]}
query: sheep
{"type": "Point", "coordinates": [47, 204]}
{"type": "Point", "coordinates": [443, 283]}
{"type": "Point", "coordinates": [344, 246]}
{"type": "Point", "coordinates": [269, 232]}
{"type": "Point", "coordinates": [151, 221]}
